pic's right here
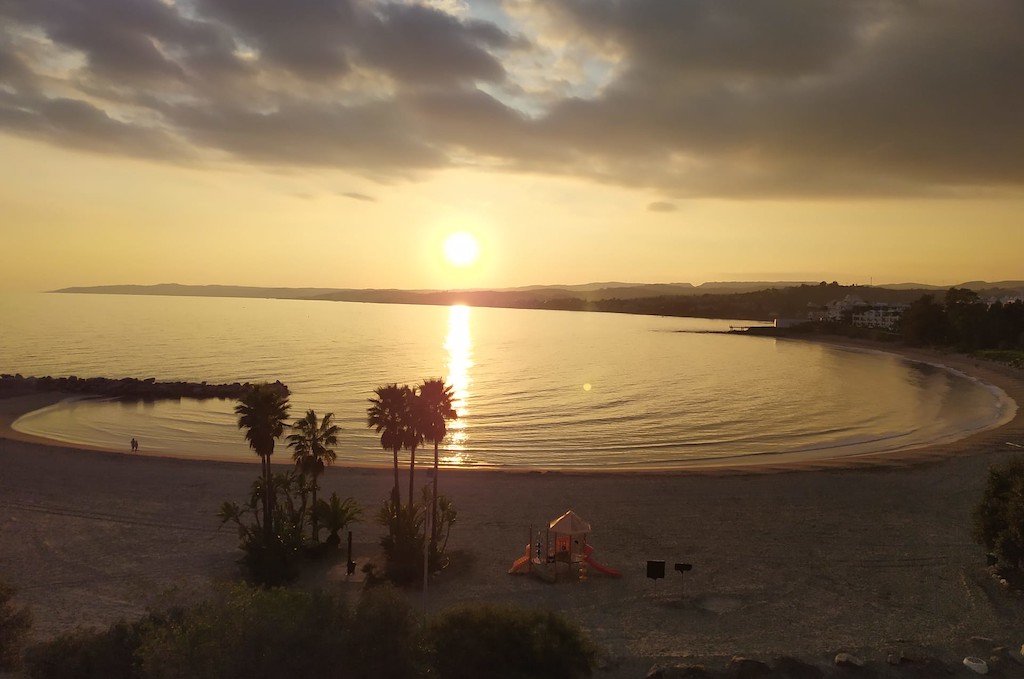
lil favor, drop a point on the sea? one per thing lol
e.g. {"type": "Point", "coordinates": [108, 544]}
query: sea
{"type": "Point", "coordinates": [535, 389]}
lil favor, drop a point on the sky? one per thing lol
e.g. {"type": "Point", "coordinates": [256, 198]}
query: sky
{"type": "Point", "coordinates": [339, 143]}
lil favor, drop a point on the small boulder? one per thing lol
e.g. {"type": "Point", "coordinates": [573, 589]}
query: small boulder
{"type": "Point", "coordinates": [848, 660]}
{"type": "Point", "coordinates": [976, 665]}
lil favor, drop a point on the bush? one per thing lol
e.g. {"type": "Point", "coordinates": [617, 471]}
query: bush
{"type": "Point", "coordinates": [15, 624]}
{"type": "Point", "coordinates": [999, 519]}
{"type": "Point", "coordinates": [507, 643]}
{"type": "Point", "coordinates": [385, 641]}
{"type": "Point", "coordinates": [249, 633]}
{"type": "Point", "coordinates": [270, 560]}
{"type": "Point", "coordinates": [91, 654]}
{"type": "Point", "coordinates": [246, 633]}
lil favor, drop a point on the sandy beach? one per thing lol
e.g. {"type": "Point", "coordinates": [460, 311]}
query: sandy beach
{"type": "Point", "coordinates": [868, 555]}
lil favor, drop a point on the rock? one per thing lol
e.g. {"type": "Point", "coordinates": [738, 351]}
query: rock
{"type": "Point", "coordinates": [983, 642]}
{"type": "Point", "coordinates": [1016, 656]}
{"type": "Point", "coordinates": [745, 668]}
{"type": "Point", "coordinates": [791, 668]}
{"type": "Point", "coordinates": [848, 660]}
{"type": "Point", "coordinates": [895, 659]}
{"type": "Point", "coordinates": [976, 665]}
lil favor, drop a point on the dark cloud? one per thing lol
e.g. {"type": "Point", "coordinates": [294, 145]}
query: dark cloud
{"type": "Point", "coordinates": [691, 97]}
{"type": "Point", "coordinates": [309, 38]}
{"type": "Point", "coordinates": [78, 124]}
{"type": "Point", "coordinates": [662, 206]}
{"type": "Point", "coordinates": [420, 44]}
{"type": "Point", "coordinates": [375, 137]}
{"type": "Point", "coordinates": [359, 196]}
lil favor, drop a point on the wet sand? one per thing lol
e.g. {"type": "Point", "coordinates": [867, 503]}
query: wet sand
{"type": "Point", "coordinates": [867, 555]}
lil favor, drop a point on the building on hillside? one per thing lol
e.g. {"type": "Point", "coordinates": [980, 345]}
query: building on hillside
{"type": "Point", "coordinates": [836, 311]}
{"type": "Point", "coordinates": [884, 316]}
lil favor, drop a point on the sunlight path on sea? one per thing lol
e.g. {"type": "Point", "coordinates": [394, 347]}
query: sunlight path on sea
{"type": "Point", "coordinates": [459, 345]}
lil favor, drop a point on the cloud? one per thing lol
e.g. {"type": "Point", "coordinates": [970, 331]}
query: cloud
{"type": "Point", "coordinates": [661, 206]}
{"type": "Point", "coordinates": [359, 196]}
{"type": "Point", "coordinates": [788, 98]}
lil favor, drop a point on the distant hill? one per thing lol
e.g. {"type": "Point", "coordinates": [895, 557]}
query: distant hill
{"type": "Point", "coordinates": [913, 286]}
{"type": "Point", "coordinates": [738, 300]}
{"type": "Point", "coordinates": [177, 290]}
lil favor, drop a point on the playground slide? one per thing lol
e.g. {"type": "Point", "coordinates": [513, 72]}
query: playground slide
{"type": "Point", "coordinates": [520, 565]}
{"type": "Point", "coordinates": [597, 566]}
{"type": "Point", "coordinates": [601, 568]}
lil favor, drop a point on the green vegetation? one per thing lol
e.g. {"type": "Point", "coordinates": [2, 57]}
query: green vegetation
{"type": "Point", "coordinates": [15, 624]}
{"type": "Point", "coordinates": [262, 412]}
{"type": "Point", "coordinates": [270, 556]}
{"type": "Point", "coordinates": [405, 417]}
{"type": "Point", "coordinates": [245, 633]}
{"type": "Point", "coordinates": [1011, 357]}
{"type": "Point", "coordinates": [502, 642]}
{"type": "Point", "coordinates": [311, 445]}
{"type": "Point", "coordinates": [389, 416]}
{"type": "Point", "coordinates": [336, 515]}
{"type": "Point", "coordinates": [271, 524]}
{"type": "Point", "coordinates": [964, 322]}
{"type": "Point", "coordinates": [433, 412]}
{"type": "Point", "coordinates": [999, 519]}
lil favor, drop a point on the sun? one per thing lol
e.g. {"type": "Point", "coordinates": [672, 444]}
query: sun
{"type": "Point", "coordinates": [461, 249]}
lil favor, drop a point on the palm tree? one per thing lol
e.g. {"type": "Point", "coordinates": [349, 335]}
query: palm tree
{"type": "Point", "coordinates": [389, 415]}
{"type": "Point", "coordinates": [413, 437]}
{"type": "Point", "coordinates": [262, 411]}
{"type": "Point", "coordinates": [311, 449]}
{"type": "Point", "coordinates": [434, 409]}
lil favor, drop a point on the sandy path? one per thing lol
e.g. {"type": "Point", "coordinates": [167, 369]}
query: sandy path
{"type": "Point", "coordinates": [804, 562]}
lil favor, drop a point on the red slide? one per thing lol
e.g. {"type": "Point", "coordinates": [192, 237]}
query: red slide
{"type": "Point", "coordinates": [597, 566]}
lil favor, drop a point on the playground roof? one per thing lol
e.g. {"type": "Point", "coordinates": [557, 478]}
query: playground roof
{"type": "Point", "coordinates": [569, 524]}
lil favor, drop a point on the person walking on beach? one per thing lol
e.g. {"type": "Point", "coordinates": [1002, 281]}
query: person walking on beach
{"type": "Point", "coordinates": [135, 446]}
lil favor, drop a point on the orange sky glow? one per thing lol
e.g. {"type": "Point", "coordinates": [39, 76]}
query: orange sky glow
{"type": "Point", "coordinates": [340, 143]}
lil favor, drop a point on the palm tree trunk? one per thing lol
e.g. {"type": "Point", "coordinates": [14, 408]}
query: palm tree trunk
{"type": "Point", "coordinates": [268, 497]}
{"type": "Point", "coordinates": [412, 473]}
{"type": "Point", "coordinates": [394, 491]}
{"type": "Point", "coordinates": [433, 510]}
{"type": "Point", "coordinates": [316, 532]}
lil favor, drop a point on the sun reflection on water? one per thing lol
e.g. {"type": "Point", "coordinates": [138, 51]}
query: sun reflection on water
{"type": "Point", "coordinates": [459, 345]}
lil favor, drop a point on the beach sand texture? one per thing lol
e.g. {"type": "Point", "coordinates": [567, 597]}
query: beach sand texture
{"type": "Point", "coordinates": [874, 554]}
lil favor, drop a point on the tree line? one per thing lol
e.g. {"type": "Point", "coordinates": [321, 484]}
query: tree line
{"type": "Point", "coordinates": [962, 320]}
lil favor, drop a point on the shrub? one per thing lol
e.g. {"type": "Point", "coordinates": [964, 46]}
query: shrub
{"type": "Point", "coordinates": [999, 519]}
{"type": "Point", "coordinates": [335, 515]}
{"type": "Point", "coordinates": [15, 624]}
{"type": "Point", "coordinates": [270, 560]}
{"type": "Point", "coordinates": [94, 654]}
{"type": "Point", "coordinates": [404, 542]}
{"type": "Point", "coordinates": [385, 640]}
{"type": "Point", "coordinates": [406, 537]}
{"type": "Point", "coordinates": [507, 643]}
{"type": "Point", "coordinates": [249, 633]}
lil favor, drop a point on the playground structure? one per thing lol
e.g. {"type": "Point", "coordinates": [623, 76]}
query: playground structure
{"type": "Point", "coordinates": [564, 542]}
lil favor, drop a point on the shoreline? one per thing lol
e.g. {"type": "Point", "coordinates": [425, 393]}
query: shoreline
{"type": "Point", "coordinates": [869, 559]}
{"type": "Point", "coordinates": [1007, 380]}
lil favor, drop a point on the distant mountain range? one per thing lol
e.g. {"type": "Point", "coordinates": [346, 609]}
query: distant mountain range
{"type": "Point", "coordinates": [586, 292]}
{"type": "Point", "coordinates": [739, 300]}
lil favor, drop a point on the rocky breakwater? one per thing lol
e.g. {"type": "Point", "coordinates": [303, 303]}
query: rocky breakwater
{"type": "Point", "coordinates": [128, 388]}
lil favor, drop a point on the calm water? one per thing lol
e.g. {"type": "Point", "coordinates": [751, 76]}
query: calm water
{"type": "Point", "coordinates": [541, 389]}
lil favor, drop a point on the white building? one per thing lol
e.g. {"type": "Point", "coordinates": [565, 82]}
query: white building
{"type": "Point", "coordinates": [885, 316]}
